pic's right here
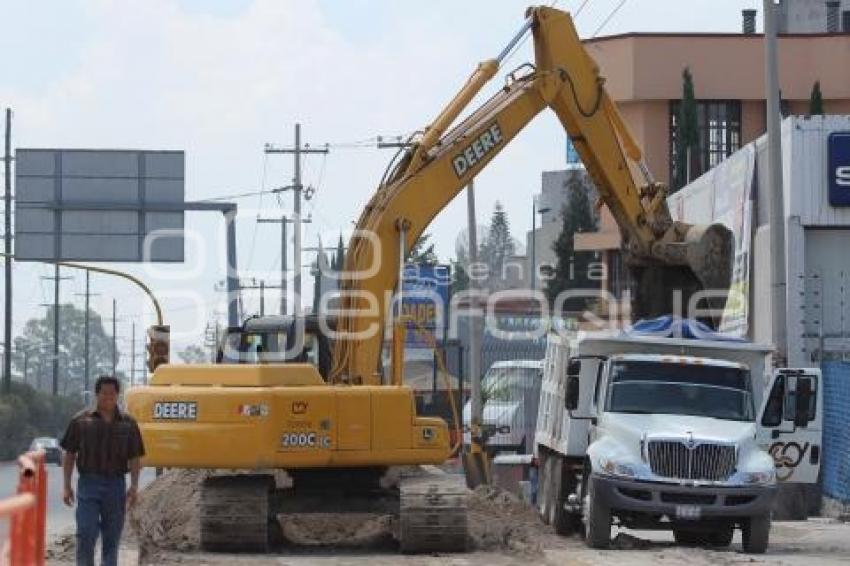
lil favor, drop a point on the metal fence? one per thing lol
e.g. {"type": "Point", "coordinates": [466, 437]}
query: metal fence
{"type": "Point", "coordinates": [836, 424]}
{"type": "Point", "coordinates": [510, 389]}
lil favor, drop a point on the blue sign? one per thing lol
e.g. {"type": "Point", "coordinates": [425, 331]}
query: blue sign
{"type": "Point", "coordinates": [572, 154]}
{"type": "Point", "coordinates": [838, 169]}
{"type": "Point", "coordinates": [425, 303]}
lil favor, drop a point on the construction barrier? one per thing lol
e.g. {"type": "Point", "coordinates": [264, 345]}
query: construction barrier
{"type": "Point", "coordinates": [27, 512]}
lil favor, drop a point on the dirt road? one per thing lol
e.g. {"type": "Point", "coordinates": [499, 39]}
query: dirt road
{"type": "Point", "coordinates": [503, 531]}
{"type": "Point", "coordinates": [814, 542]}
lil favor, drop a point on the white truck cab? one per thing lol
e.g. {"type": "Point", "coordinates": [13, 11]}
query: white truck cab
{"type": "Point", "coordinates": [671, 433]}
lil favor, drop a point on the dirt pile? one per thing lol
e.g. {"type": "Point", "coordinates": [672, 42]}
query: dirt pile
{"type": "Point", "coordinates": [167, 513]}
{"type": "Point", "coordinates": [166, 517]}
{"type": "Point", "coordinates": [498, 520]}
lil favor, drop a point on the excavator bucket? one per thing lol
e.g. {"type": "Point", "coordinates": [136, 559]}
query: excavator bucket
{"type": "Point", "coordinates": [700, 262]}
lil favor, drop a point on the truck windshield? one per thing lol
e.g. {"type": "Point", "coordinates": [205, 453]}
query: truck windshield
{"type": "Point", "coordinates": [680, 389]}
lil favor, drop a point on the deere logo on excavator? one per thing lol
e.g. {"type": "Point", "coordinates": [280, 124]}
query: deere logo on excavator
{"type": "Point", "coordinates": [299, 407]}
{"type": "Point", "coordinates": [480, 147]}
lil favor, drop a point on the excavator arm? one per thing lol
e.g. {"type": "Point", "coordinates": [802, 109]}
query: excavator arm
{"type": "Point", "coordinates": [663, 254]}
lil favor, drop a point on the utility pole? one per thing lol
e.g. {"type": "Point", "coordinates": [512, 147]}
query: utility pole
{"type": "Point", "coordinates": [56, 279]}
{"type": "Point", "coordinates": [133, 354]}
{"type": "Point", "coordinates": [283, 289]}
{"type": "Point", "coordinates": [114, 339]}
{"type": "Point", "coordinates": [774, 181]}
{"type": "Point", "coordinates": [7, 237]}
{"type": "Point", "coordinates": [474, 336]}
{"type": "Point", "coordinates": [297, 187]}
{"type": "Point", "coordinates": [261, 285]}
{"type": "Point", "coordinates": [87, 338]}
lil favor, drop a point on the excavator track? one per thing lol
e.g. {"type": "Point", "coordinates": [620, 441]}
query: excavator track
{"type": "Point", "coordinates": [234, 513]}
{"type": "Point", "coordinates": [433, 514]}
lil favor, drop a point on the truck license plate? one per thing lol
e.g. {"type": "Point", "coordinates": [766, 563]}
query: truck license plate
{"type": "Point", "coordinates": [688, 512]}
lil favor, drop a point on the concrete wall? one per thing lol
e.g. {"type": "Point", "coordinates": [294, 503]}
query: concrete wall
{"type": "Point", "coordinates": [640, 67]}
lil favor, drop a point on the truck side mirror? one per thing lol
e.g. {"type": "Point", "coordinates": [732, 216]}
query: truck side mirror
{"type": "Point", "coordinates": [804, 401]}
{"type": "Point", "coordinates": [571, 394]}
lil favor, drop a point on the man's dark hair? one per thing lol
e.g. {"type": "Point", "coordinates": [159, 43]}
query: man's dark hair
{"type": "Point", "coordinates": [107, 380]}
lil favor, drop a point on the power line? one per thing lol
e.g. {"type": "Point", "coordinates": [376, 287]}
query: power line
{"type": "Point", "coordinates": [608, 19]}
{"type": "Point", "coordinates": [580, 8]}
{"type": "Point", "coordinates": [259, 207]}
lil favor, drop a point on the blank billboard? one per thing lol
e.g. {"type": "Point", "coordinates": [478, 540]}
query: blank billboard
{"type": "Point", "coordinates": [99, 205]}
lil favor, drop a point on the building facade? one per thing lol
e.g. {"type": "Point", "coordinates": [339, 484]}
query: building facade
{"type": "Point", "coordinates": [813, 16]}
{"type": "Point", "coordinates": [643, 73]}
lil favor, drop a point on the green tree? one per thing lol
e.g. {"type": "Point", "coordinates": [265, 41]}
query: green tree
{"type": "Point", "coordinates": [497, 247]}
{"type": "Point", "coordinates": [687, 134]}
{"type": "Point", "coordinates": [816, 101]}
{"type": "Point", "coordinates": [572, 269]}
{"type": "Point", "coordinates": [422, 252]}
{"type": "Point", "coordinates": [27, 413]}
{"type": "Point", "coordinates": [194, 355]}
{"type": "Point", "coordinates": [460, 278]}
{"type": "Point", "coordinates": [338, 260]}
{"type": "Point", "coordinates": [35, 348]}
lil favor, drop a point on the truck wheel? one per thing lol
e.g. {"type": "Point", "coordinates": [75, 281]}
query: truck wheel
{"type": "Point", "coordinates": [596, 518]}
{"type": "Point", "coordinates": [755, 534]}
{"type": "Point", "coordinates": [565, 523]}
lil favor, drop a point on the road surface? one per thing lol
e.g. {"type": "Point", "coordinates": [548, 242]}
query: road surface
{"type": "Point", "coordinates": [818, 542]}
{"type": "Point", "coordinates": [59, 517]}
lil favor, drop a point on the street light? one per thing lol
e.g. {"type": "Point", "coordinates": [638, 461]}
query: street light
{"type": "Point", "coordinates": [534, 212]}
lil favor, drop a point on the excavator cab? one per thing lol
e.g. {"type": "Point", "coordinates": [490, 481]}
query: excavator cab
{"type": "Point", "coordinates": [279, 340]}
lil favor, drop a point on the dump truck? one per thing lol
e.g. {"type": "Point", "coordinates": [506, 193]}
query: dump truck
{"type": "Point", "coordinates": [671, 432]}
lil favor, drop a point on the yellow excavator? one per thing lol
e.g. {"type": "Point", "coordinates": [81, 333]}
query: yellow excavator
{"type": "Point", "coordinates": [325, 415]}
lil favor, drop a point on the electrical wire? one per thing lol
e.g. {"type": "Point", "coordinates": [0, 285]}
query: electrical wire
{"type": "Point", "coordinates": [580, 8]}
{"type": "Point", "coordinates": [236, 196]}
{"type": "Point", "coordinates": [608, 19]}
{"type": "Point", "coordinates": [259, 207]}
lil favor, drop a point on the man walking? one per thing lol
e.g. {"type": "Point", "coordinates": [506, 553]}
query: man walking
{"type": "Point", "coordinates": [105, 443]}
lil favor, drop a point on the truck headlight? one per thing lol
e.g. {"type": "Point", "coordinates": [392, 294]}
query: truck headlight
{"type": "Point", "coordinates": [759, 477]}
{"type": "Point", "coordinates": [613, 468]}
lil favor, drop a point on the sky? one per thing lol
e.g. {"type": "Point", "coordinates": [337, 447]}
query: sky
{"type": "Point", "coordinates": [220, 79]}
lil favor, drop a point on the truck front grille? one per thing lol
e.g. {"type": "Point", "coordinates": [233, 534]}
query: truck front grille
{"type": "Point", "coordinates": [704, 461]}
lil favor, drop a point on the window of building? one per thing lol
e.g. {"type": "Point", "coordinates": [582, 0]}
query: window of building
{"type": "Point", "coordinates": [719, 130]}
{"type": "Point", "coordinates": [845, 21]}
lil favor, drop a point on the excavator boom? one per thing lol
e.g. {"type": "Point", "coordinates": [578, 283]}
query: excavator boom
{"type": "Point", "coordinates": [665, 255]}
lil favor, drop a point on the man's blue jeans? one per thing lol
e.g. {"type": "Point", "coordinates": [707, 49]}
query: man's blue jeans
{"type": "Point", "coordinates": [100, 510]}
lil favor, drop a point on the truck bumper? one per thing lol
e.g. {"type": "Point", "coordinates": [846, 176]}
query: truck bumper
{"type": "Point", "coordinates": [655, 498]}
